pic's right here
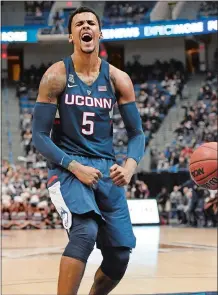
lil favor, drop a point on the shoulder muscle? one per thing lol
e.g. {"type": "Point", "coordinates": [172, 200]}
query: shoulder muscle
{"type": "Point", "coordinates": [122, 85]}
{"type": "Point", "coordinates": [52, 83]}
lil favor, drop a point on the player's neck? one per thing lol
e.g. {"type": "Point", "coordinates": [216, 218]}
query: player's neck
{"type": "Point", "coordinates": [85, 63]}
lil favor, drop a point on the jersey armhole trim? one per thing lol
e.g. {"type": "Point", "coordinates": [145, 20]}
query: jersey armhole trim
{"type": "Point", "coordinates": [110, 82]}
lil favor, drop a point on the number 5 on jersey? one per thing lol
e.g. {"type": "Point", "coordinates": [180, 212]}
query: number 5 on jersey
{"type": "Point", "coordinates": [88, 123]}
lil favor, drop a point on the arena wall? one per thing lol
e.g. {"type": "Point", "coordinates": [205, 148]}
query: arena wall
{"type": "Point", "coordinates": [150, 50]}
{"type": "Point", "coordinates": [13, 13]}
{"type": "Point", "coordinates": [211, 50]}
{"type": "Point", "coordinates": [35, 54]}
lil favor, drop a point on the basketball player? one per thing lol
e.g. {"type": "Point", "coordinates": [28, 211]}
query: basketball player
{"type": "Point", "coordinates": [85, 183]}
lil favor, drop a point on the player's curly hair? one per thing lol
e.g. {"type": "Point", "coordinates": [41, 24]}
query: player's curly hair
{"type": "Point", "coordinates": [81, 10]}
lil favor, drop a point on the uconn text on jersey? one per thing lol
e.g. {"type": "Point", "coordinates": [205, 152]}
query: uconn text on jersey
{"type": "Point", "coordinates": [105, 103]}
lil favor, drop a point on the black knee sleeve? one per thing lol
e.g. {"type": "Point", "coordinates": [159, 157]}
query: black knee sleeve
{"type": "Point", "coordinates": [82, 238]}
{"type": "Point", "coordinates": [115, 262]}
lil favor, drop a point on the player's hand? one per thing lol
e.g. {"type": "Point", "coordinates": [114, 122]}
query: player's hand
{"type": "Point", "coordinates": [86, 174]}
{"type": "Point", "coordinates": [120, 175]}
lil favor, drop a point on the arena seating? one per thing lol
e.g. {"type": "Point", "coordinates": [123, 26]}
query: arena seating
{"type": "Point", "coordinates": [25, 201]}
{"type": "Point", "coordinates": [199, 125]}
{"type": "Point", "coordinates": [115, 13]}
{"type": "Point", "coordinates": [208, 8]}
{"type": "Point", "coordinates": [127, 12]}
{"type": "Point", "coordinates": [37, 12]}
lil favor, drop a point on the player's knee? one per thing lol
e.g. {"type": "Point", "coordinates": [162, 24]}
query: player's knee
{"type": "Point", "coordinates": [82, 238]}
{"type": "Point", "coordinates": [115, 262]}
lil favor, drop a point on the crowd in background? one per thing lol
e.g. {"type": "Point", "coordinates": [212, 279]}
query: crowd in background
{"type": "Point", "coordinates": [198, 125]}
{"type": "Point", "coordinates": [186, 204]}
{"type": "Point", "coordinates": [37, 12]}
{"type": "Point", "coordinates": [26, 203]}
{"type": "Point", "coordinates": [127, 12]}
{"type": "Point", "coordinates": [208, 8]}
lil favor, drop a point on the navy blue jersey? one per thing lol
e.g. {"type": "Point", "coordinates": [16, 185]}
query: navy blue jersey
{"type": "Point", "coordinates": [85, 125]}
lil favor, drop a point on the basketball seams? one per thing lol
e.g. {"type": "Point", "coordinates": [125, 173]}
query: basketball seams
{"type": "Point", "coordinates": [207, 175]}
{"type": "Point", "coordinates": [202, 161]}
{"type": "Point", "coordinates": [208, 147]}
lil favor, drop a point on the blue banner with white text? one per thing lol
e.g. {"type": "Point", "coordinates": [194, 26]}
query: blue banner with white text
{"type": "Point", "coordinates": [117, 33]}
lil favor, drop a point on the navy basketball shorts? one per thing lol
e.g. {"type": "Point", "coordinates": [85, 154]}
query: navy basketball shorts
{"type": "Point", "coordinates": [106, 201]}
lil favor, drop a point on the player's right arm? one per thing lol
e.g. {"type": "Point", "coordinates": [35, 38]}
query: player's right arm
{"type": "Point", "coordinates": [51, 86]}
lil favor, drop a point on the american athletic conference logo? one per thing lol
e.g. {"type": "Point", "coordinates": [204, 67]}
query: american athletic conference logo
{"type": "Point", "coordinates": [71, 79]}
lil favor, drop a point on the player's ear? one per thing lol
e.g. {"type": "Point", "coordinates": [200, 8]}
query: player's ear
{"type": "Point", "coordinates": [101, 36]}
{"type": "Point", "coordinates": [70, 38]}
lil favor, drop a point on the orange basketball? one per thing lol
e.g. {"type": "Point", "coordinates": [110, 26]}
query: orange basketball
{"type": "Point", "coordinates": [203, 166]}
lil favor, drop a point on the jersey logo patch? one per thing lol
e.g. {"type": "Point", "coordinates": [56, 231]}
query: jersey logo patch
{"type": "Point", "coordinates": [71, 79]}
{"type": "Point", "coordinates": [89, 92]}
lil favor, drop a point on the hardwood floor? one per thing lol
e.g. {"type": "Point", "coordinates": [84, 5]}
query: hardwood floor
{"type": "Point", "coordinates": [166, 260]}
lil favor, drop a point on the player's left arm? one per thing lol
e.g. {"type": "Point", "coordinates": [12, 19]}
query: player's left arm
{"type": "Point", "coordinates": [125, 94]}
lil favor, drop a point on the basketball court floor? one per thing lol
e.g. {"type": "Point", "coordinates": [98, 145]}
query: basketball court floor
{"type": "Point", "coordinates": [167, 260]}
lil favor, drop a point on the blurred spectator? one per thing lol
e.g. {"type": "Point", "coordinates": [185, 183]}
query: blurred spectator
{"type": "Point", "coordinates": [211, 209]}
{"type": "Point", "coordinates": [38, 12]}
{"type": "Point", "coordinates": [175, 198]}
{"type": "Point", "coordinates": [164, 205]}
{"type": "Point", "coordinates": [141, 190]}
{"type": "Point", "coordinates": [182, 206]}
{"type": "Point", "coordinates": [27, 138]}
{"type": "Point", "coordinates": [162, 163]}
{"type": "Point", "coordinates": [188, 213]}
{"type": "Point", "coordinates": [137, 190]}
{"type": "Point", "coordinates": [58, 20]}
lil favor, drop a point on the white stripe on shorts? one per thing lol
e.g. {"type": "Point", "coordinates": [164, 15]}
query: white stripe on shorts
{"type": "Point", "coordinates": [58, 201]}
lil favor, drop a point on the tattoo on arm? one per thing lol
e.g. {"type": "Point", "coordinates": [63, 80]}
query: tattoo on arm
{"type": "Point", "coordinates": [51, 85]}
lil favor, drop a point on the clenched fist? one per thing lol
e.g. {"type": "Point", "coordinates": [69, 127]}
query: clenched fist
{"type": "Point", "coordinates": [120, 175]}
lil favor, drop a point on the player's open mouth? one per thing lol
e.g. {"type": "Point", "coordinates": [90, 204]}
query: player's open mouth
{"type": "Point", "coordinates": [86, 37]}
